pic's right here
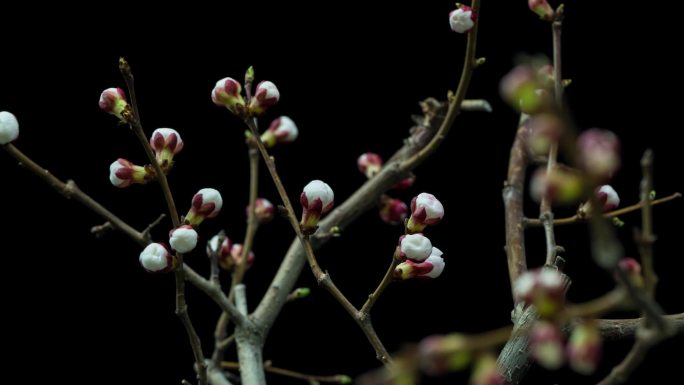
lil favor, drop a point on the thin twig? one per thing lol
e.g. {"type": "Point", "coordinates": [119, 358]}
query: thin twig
{"type": "Point", "coordinates": [530, 222]}
{"type": "Point", "coordinates": [181, 305]}
{"type": "Point", "coordinates": [322, 277]}
{"type": "Point", "coordinates": [386, 280]}
{"type": "Point", "coordinates": [646, 239]}
{"type": "Point", "coordinates": [146, 232]}
{"type": "Point", "coordinates": [335, 379]}
{"type": "Point", "coordinates": [469, 65]}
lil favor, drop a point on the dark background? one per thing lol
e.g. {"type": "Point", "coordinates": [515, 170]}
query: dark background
{"type": "Point", "coordinates": [350, 75]}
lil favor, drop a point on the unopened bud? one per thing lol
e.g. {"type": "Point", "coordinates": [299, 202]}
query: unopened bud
{"type": "Point", "coordinates": [415, 247]}
{"type": "Point", "coordinates": [541, 8]}
{"type": "Point", "coordinates": [265, 96]}
{"type": "Point", "coordinates": [432, 267]}
{"type": "Point", "coordinates": [598, 153]}
{"type": "Point", "coordinates": [123, 173]}
{"type": "Point", "coordinates": [584, 347]}
{"type": "Point", "coordinates": [393, 211]}
{"type": "Point", "coordinates": [156, 258]}
{"type": "Point", "coordinates": [544, 288]}
{"type": "Point", "coordinates": [9, 127]}
{"type": "Point", "coordinates": [166, 142]}
{"type": "Point", "coordinates": [316, 199]}
{"type": "Point", "coordinates": [183, 239]}
{"type": "Point", "coordinates": [462, 20]}
{"type": "Point", "coordinates": [369, 164]}
{"type": "Point", "coordinates": [264, 210]}
{"type": "Point", "coordinates": [113, 101]}
{"type": "Point", "coordinates": [546, 345]}
{"type": "Point", "coordinates": [227, 93]}
{"type": "Point", "coordinates": [425, 210]}
{"type": "Point", "coordinates": [281, 130]}
{"type": "Point", "coordinates": [206, 203]}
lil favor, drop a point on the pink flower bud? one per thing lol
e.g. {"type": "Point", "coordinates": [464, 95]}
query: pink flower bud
{"type": "Point", "coordinates": [598, 152]}
{"type": "Point", "coordinates": [166, 142]}
{"type": "Point", "coordinates": [425, 210]}
{"type": "Point", "coordinates": [439, 355]}
{"type": "Point", "coordinates": [608, 197]}
{"type": "Point", "coordinates": [393, 211]}
{"type": "Point", "coordinates": [432, 267]}
{"type": "Point", "coordinates": [405, 183]}
{"type": "Point", "coordinates": [226, 93]}
{"type": "Point", "coordinates": [541, 8]}
{"type": "Point", "coordinates": [156, 258]}
{"type": "Point", "coordinates": [546, 345]}
{"type": "Point", "coordinates": [113, 101]}
{"type": "Point", "coordinates": [123, 173]}
{"type": "Point", "coordinates": [486, 372]}
{"type": "Point", "coordinates": [219, 246]}
{"type": "Point", "coordinates": [544, 288]}
{"type": "Point", "coordinates": [369, 164]}
{"type": "Point", "coordinates": [264, 210]}
{"type": "Point", "coordinates": [545, 129]}
{"type": "Point", "coordinates": [415, 247]}
{"type": "Point", "coordinates": [316, 199]}
{"type": "Point", "coordinates": [206, 203]}
{"type": "Point", "coordinates": [183, 239]}
{"type": "Point", "coordinates": [230, 261]}
{"type": "Point", "coordinates": [633, 269]}
{"type": "Point", "coordinates": [265, 96]}
{"type": "Point", "coordinates": [9, 127]}
{"type": "Point", "coordinates": [281, 130]}
{"type": "Point", "coordinates": [562, 185]}
{"type": "Point", "coordinates": [462, 19]}
{"type": "Point", "coordinates": [584, 348]}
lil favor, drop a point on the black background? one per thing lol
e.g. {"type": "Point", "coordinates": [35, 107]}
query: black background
{"type": "Point", "coordinates": [81, 310]}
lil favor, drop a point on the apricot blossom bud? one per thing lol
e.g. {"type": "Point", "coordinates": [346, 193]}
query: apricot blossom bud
{"type": "Point", "coordinates": [369, 164]}
{"type": "Point", "coordinates": [541, 8]}
{"type": "Point", "coordinates": [405, 183]}
{"type": "Point", "coordinates": [183, 239]}
{"type": "Point", "coordinates": [265, 96]}
{"type": "Point", "coordinates": [544, 288]}
{"type": "Point", "coordinates": [227, 93]}
{"type": "Point", "coordinates": [462, 20]}
{"type": "Point", "coordinates": [486, 371]}
{"type": "Point", "coordinates": [584, 347]}
{"type": "Point", "coordinates": [113, 101]}
{"type": "Point", "coordinates": [206, 203]}
{"type": "Point", "coordinates": [431, 267]}
{"type": "Point", "coordinates": [441, 354]}
{"type": "Point", "coordinates": [393, 211]}
{"type": "Point", "coordinates": [9, 127]}
{"type": "Point", "coordinates": [562, 185]}
{"type": "Point", "coordinates": [123, 173]}
{"type": "Point", "coordinates": [598, 152]}
{"type": "Point", "coordinates": [156, 258]}
{"type": "Point", "coordinates": [219, 246]}
{"type": "Point", "coordinates": [264, 210]}
{"type": "Point", "coordinates": [415, 247]}
{"type": "Point", "coordinates": [316, 199]}
{"type": "Point", "coordinates": [232, 259]}
{"type": "Point", "coordinates": [281, 130]}
{"type": "Point", "coordinates": [425, 210]}
{"type": "Point", "coordinates": [546, 344]}
{"type": "Point", "coordinates": [166, 142]}
{"type": "Point", "coordinates": [633, 269]}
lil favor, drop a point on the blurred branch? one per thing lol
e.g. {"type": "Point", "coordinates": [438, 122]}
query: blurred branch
{"type": "Point", "coordinates": [335, 379]}
{"type": "Point", "coordinates": [529, 222]}
{"type": "Point", "coordinates": [646, 239]}
{"type": "Point", "coordinates": [618, 329]}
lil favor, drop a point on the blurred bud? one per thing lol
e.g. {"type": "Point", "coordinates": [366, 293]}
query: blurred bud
{"type": "Point", "coordinates": [584, 347]}
{"type": "Point", "coordinates": [432, 267]}
{"type": "Point", "coordinates": [156, 258]}
{"type": "Point", "coordinates": [369, 164]}
{"type": "Point", "coordinates": [415, 247]}
{"type": "Point", "coordinates": [219, 245]}
{"type": "Point", "coordinates": [546, 345]}
{"type": "Point", "coordinates": [486, 371]}
{"type": "Point", "coordinates": [441, 354]}
{"type": "Point", "coordinates": [545, 129]}
{"type": "Point", "coordinates": [264, 210]}
{"type": "Point", "coordinates": [522, 89]}
{"type": "Point", "coordinates": [281, 130]}
{"type": "Point", "coordinates": [123, 173]}
{"type": "Point", "coordinates": [405, 183]}
{"type": "Point", "coordinates": [183, 239]}
{"type": "Point", "coordinates": [227, 93]}
{"type": "Point", "coordinates": [236, 257]}
{"type": "Point", "coordinates": [166, 142]}
{"type": "Point", "coordinates": [541, 8]}
{"type": "Point", "coordinates": [462, 19]}
{"type": "Point", "coordinates": [265, 96]}
{"type": "Point", "coordinates": [393, 211]}
{"type": "Point", "coordinates": [425, 210]}
{"type": "Point", "coordinates": [9, 127]}
{"type": "Point", "coordinates": [598, 152]}
{"type": "Point", "coordinates": [544, 288]}
{"type": "Point", "coordinates": [633, 269]}
{"type": "Point", "coordinates": [545, 76]}
{"type": "Point", "coordinates": [113, 101]}
{"type": "Point", "coordinates": [316, 199]}
{"type": "Point", "coordinates": [562, 185]}
{"type": "Point", "coordinates": [206, 203]}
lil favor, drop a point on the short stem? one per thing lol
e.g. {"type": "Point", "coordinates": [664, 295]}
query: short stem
{"type": "Point", "coordinates": [335, 379]}
{"type": "Point", "coordinates": [386, 280]}
{"type": "Point", "coordinates": [646, 239]}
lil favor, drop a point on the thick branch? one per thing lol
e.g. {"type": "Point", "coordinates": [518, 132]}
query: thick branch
{"type": "Point", "coordinates": [249, 343]}
{"type": "Point", "coordinates": [619, 329]}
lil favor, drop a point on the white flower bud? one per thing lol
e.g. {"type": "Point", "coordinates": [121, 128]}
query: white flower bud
{"type": "Point", "coordinates": [425, 210]}
{"type": "Point", "coordinates": [183, 239]}
{"type": "Point", "coordinates": [9, 127]}
{"type": "Point", "coordinates": [155, 258]}
{"type": "Point", "coordinates": [462, 19]}
{"type": "Point", "coordinates": [123, 173]}
{"type": "Point", "coordinates": [206, 203]}
{"type": "Point", "coordinates": [265, 96]}
{"type": "Point", "coordinates": [281, 130]}
{"type": "Point", "coordinates": [316, 199]}
{"type": "Point", "coordinates": [166, 142]}
{"type": "Point", "coordinates": [415, 247]}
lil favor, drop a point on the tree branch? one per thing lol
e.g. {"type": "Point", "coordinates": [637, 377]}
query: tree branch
{"type": "Point", "coordinates": [646, 239]}
{"type": "Point", "coordinates": [335, 379]}
{"type": "Point", "coordinates": [618, 329]}
{"type": "Point", "coordinates": [249, 342]}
